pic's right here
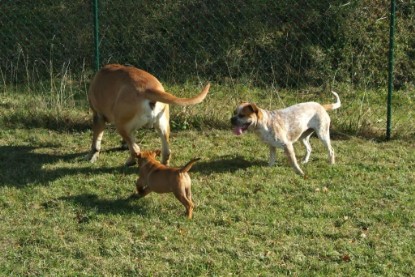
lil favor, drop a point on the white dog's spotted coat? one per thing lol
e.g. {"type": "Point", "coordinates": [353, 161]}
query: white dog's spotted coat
{"type": "Point", "coordinates": [281, 128]}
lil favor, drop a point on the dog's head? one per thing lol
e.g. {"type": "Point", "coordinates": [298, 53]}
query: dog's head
{"type": "Point", "coordinates": [245, 117]}
{"type": "Point", "coordinates": [145, 156]}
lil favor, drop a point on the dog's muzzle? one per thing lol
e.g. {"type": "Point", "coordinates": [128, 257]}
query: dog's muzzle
{"type": "Point", "coordinates": [238, 126]}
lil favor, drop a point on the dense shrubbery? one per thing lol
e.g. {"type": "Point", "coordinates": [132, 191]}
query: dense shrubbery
{"type": "Point", "coordinates": [285, 43]}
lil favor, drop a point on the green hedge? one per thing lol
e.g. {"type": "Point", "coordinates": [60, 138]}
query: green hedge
{"type": "Point", "coordinates": [285, 43]}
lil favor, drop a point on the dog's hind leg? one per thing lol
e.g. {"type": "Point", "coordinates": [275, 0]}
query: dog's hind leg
{"type": "Point", "coordinates": [181, 196]}
{"type": "Point", "coordinates": [98, 126]}
{"type": "Point", "coordinates": [163, 129]}
{"type": "Point", "coordinates": [305, 138]}
{"type": "Point", "coordinates": [326, 141]}
{"type": "Point", "coordinates": [132, 146]}
{"type": "Point", "coordinates": [324, 136]}
{"type": "Point", "coordinates": [306, 142]}
{"type": "Point", "coordinates": [289, 152]}
{"type": "Point", "coordinates": [189, 193]}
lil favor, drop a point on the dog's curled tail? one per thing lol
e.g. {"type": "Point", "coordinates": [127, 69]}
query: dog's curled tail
{"type": "Point", "coordinates": [329, 107]}
{"type": "Point", "coordinates": [168, 98]}
{"type": "Point", "coordinates": [188, 166]}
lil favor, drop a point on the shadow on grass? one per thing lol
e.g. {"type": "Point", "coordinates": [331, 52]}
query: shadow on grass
{"type": "Point", "coordinates": [107, 206]}
{"type": "Point", "coordinates": [226, 163]}
{"type": "Point", "coordinates": [21, 166]}
{"type": "Point", "coordinates": [46, 120]}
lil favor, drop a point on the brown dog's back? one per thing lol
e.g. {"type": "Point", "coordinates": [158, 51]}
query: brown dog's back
{"type": "Point", "coordinates": [128, 85]}
{"type": "Point", "coordinates": [132, 98]}
{"type": "Point", "coordinates": [156, 177]}
{"type": "Point", "coordinates": [160, 176]}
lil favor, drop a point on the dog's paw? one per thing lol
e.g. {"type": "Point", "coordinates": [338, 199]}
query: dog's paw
{"type": "Point", "coordinates": [92, 157]}
{"type": "Point", "coordinates": [134, 196]}
{"type": "Point", "coordinates": [130, 161]}
{"type": "Point", "coordinates": [123, 145]}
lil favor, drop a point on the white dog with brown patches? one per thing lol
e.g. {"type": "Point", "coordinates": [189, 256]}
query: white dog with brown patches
{"type": "Point", "coordinates": [281, 128]}
{"type": "Point", "coordinates": [131, 98]}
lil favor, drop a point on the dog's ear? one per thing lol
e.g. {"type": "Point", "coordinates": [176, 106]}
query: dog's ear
{"type": "Point", "coordinates": [256, 110]}
{"type": "Point", "coordinates": [254, 107]}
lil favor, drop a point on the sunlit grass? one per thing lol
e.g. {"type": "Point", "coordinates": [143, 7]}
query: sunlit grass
{"type": "Point", "coordinates": [61, 215]}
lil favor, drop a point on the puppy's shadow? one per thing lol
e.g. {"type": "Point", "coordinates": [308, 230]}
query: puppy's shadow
{"type": "Point", "coordinates": [106, 206]}
{"type": "Point", "coordinates": [224, 164]}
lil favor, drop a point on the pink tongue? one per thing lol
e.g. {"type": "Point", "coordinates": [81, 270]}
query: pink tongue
{"type": "Point", "coordinates": [237, 131]}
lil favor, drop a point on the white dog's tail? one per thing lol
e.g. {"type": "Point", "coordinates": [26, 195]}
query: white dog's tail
{"type": "Point", "coordinates": [329, 107]}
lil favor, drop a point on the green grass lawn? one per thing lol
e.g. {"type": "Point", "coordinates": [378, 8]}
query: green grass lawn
{"type": "Point", "coordinates": [63, 216]}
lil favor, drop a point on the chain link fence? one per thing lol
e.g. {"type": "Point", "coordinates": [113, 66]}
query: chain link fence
{"type": "Point", "coordinates": [289, 43]}
{"type": "Point", "coordinates": [286, 44]}
{"type": "Point", "coordinates": [40, 38]}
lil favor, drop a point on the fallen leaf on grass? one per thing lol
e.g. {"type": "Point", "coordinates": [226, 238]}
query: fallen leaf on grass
{"type": "Point", "coordinates": [346, 258]}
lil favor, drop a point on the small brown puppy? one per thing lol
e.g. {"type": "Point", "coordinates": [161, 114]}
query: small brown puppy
{"type": "Point", "coordinates": [156, 177]}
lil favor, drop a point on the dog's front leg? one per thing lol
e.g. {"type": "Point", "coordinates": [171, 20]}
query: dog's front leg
{"type": "Point", "coordinates": [142, 188]}
{"type": "Point", "coordinates": [289, 152]}
{"type": "Point", "coordinates": [272, 153]}
{"type": "Point", "coordinates": [139, 185]}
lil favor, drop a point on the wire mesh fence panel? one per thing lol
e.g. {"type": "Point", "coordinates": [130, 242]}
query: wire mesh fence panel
{"type": "Point", "coordinates": [289, 43]}
{"type": "Point", "coordinates": [285, 44]}
{"type": "Point", "coordinates": [43, 38]}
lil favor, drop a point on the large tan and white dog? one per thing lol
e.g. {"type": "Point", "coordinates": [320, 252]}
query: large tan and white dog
{"type": "Point", "coordinates": [131, 98]}
{"type": "Point", "coordinates": [281, 128]}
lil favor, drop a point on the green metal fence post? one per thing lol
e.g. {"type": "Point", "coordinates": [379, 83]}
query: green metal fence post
{"type": "Point", "coordinates": [390, 68]}
{"type": "Point", "coordinates": [96, 34]}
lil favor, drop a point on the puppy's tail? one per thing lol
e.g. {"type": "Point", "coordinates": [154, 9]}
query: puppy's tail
{"type": "Point", "coordinates": [188, 166]}
{"type": "Point", "coordinates": [329, 107]}
{"type": "Point", "coordinates": [168, 98]}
